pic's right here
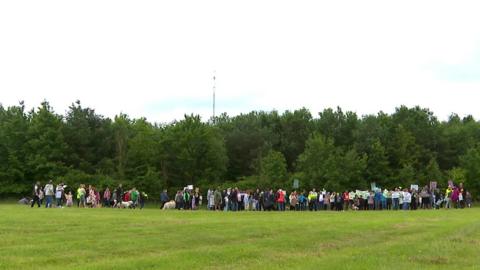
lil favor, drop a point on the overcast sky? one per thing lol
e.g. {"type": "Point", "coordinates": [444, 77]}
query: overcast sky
{"type": "Point", "coordinates": [156, 58]}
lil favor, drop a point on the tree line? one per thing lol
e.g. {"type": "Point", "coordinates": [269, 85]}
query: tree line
{"type": "Point", "coordinates": [334, 149]}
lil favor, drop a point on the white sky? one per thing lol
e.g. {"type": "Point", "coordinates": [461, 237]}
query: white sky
{"type": "Point", "coordinates": [156, 58]}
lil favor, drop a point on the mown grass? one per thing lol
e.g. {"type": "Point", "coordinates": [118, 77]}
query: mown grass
{"type": "Point", "coordinates": [154, 239]}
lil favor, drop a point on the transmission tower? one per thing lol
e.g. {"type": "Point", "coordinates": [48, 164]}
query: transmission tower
{"type": "Point", "coordinates": [214, 89]}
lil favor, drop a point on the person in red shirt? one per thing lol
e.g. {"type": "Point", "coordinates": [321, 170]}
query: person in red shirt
{"type": "Point", "coordinates": [126, 197]}
{"type": "Point", "coordinates": [346, 200]}
{"type": "Point", "coordinates": [280, 200]}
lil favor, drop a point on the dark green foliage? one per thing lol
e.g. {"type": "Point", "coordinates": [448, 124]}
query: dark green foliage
{"type": "Point", "coordinates": [470, 163]}
{"type": "Point", "coordinates": [336, 150]}
{"type": "Point", "coordinates": [325, 165]}
{"type": "Point", "coordinates": [273, 170]}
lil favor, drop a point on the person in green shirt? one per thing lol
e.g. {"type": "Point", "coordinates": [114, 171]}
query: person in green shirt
{"type": "Point", "coordinates": [81, 195]}
{"type": "Point", "coordinates": [134, 196]}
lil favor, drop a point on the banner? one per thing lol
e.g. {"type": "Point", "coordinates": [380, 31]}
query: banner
{"type": "Point", "coordinates": [414, 187]}
{"type": "Point", "coordinates": [433, 185]}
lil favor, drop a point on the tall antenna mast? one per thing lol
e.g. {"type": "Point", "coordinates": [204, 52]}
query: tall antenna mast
{"type": "Point", "coordinates": [214, 88]}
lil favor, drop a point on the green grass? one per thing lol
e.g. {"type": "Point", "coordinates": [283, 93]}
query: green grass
{"type": "Point", "coordinates": [154, 239]}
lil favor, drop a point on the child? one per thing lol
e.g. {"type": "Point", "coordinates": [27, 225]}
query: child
{"type": "Point", "coordinates": [69, 198]}
{"type": "Point", "coordinates": [468, 199]}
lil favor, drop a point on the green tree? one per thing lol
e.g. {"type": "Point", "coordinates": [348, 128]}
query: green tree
{"type": "Point", "coordinates": [296, 127]}
{"type": "Point", "coordinates": [13, 138]}
{"type": "Point", "coordinates": [405, 176]}
{"type": "Point", "coordinates": [89, 139]}
{"type": "Point", "coordinates": [471, 164]}
{"type": "Point", "coordinates": [46, 145]}
{"type": "Point", "coordinates": [339, 126]}
{"type": "Point", "coordinates": [324, 165]}
{"type": "Point", "coordinates": [121, 135]}
{"type": "Point", "coordinates": [273, 169]}
{"type": "Point", "coordinates": [457, 174]}
{"type": "Point", "coordinates": [195, 151]}
{"type": "Point", "coordinates": [432, 172]}
{"type": "Point", "coordinates": [245, 141]}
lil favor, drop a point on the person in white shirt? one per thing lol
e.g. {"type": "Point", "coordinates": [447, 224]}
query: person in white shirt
{"type": "Point", "coordinates": [407, 199]}
{"type": "Point", "coordinates": [321, 196]}
{"type": "Point", "coordinates": [396, 199]}
{"type": "Point", "coordinates": [49, 194]}
{"type": "Point", "coordinates": [59, 194]}
{"type": "Point", "coordinates": [246, 201]}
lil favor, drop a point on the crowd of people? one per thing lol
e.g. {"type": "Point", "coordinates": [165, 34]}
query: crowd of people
{"type": "Point", "coordinates": [233, 199]}
{"type": "Point", "coordinates": [85, 197]}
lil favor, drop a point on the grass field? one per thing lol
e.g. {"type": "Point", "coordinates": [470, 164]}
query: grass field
{"type": "Point", "coordinates": [154, 239]}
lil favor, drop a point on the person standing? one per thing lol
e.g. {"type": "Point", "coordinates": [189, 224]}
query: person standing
{"type": "Point", "coordinates": [187, 199]}
{"type": "Point", "coordinates": [384, 199]}
{"type": "Point", "coordinates": [346, 200]}
{"type": "Point", "coordinates": [247, 198]}
{"type": "Point", "coordinates": [81, 192]}
{"type": "Point", "coordinates": [210, 203]}
{"type": "Point", "coordinates": [196, 199]}
{"type": "Point", "coordinates": [293, 198]}
{"type": "Point", "coordinates": [326, 200]}
{"type": "Point", "coordinates": [389, 199]}
{"type": "Point", "coordinates": [407, 199]}
{"type": "Point", "coordinates": [313, 200]}
{"type": "Point", "coordinates": [396, 199]}
{"type": "Point", "coordinates": [321, 200]}
{"type": "Point", "coordinates": [107, 195]}
{"type": "Point", "coordinates": [455, 196]}
{"type": "Point", "coordinates": [217, 198]}
{"type": "Point", "coordinates": [461, 196]}
{"type": "Point", "coordinates": [256, 200]}
{"type": "Point", "coordinates": [59, 194]}
{"type": "Point", "coordinates": [267, 200]}
{"type": "Point", "coordinates": [49, 194]}
{"type": "Point", "coordinates": [239, 200]}
{"type": "Point", "coordinates": [448, 197]}
{"type": "Point", "coordinates": [69, 199]}
{"type": "Point", "coordinates": [92, 197]}
{"type": "Point", "coordinates": [415, 200]}
{"type": "Point", "coordinates": [114, 198]}
{"type": "Point", "coordinates": [119, 195]}
{"type": "Point", "coordinates": [142, 197]}
{"type": "Point", "coordinates": [371, 200]}
{"type": "Point", "coordinates": [134, 197]}
{"type": "Point", "coordinates": [164, 198]}
{"type": "Point", "coordinates": [233, 199]}
{"type": "Point", "coordinates": [339, 202]}
{"type": "Point", "coordinates": [280, 200]}
{"type": "Point", "coordinates": [179, 203]}
{"type": "Point", "coordinates": [468, 199]}
{"type": "Point", "coordinates": [378, 199]}
{"type": "Point", "coordinates": [37, 188]}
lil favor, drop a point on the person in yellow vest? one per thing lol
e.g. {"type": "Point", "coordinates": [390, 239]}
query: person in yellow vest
{"type": "Point", "coordinates": [448, 197]}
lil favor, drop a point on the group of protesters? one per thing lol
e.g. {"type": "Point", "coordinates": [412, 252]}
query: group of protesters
{"type": "Point", "coordinates": [86, 197]}
{"type": "Point", "coordinates": [233, 199]}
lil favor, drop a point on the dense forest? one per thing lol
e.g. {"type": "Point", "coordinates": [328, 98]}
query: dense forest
{"type": "Point", "coordinates": [334, 149]}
